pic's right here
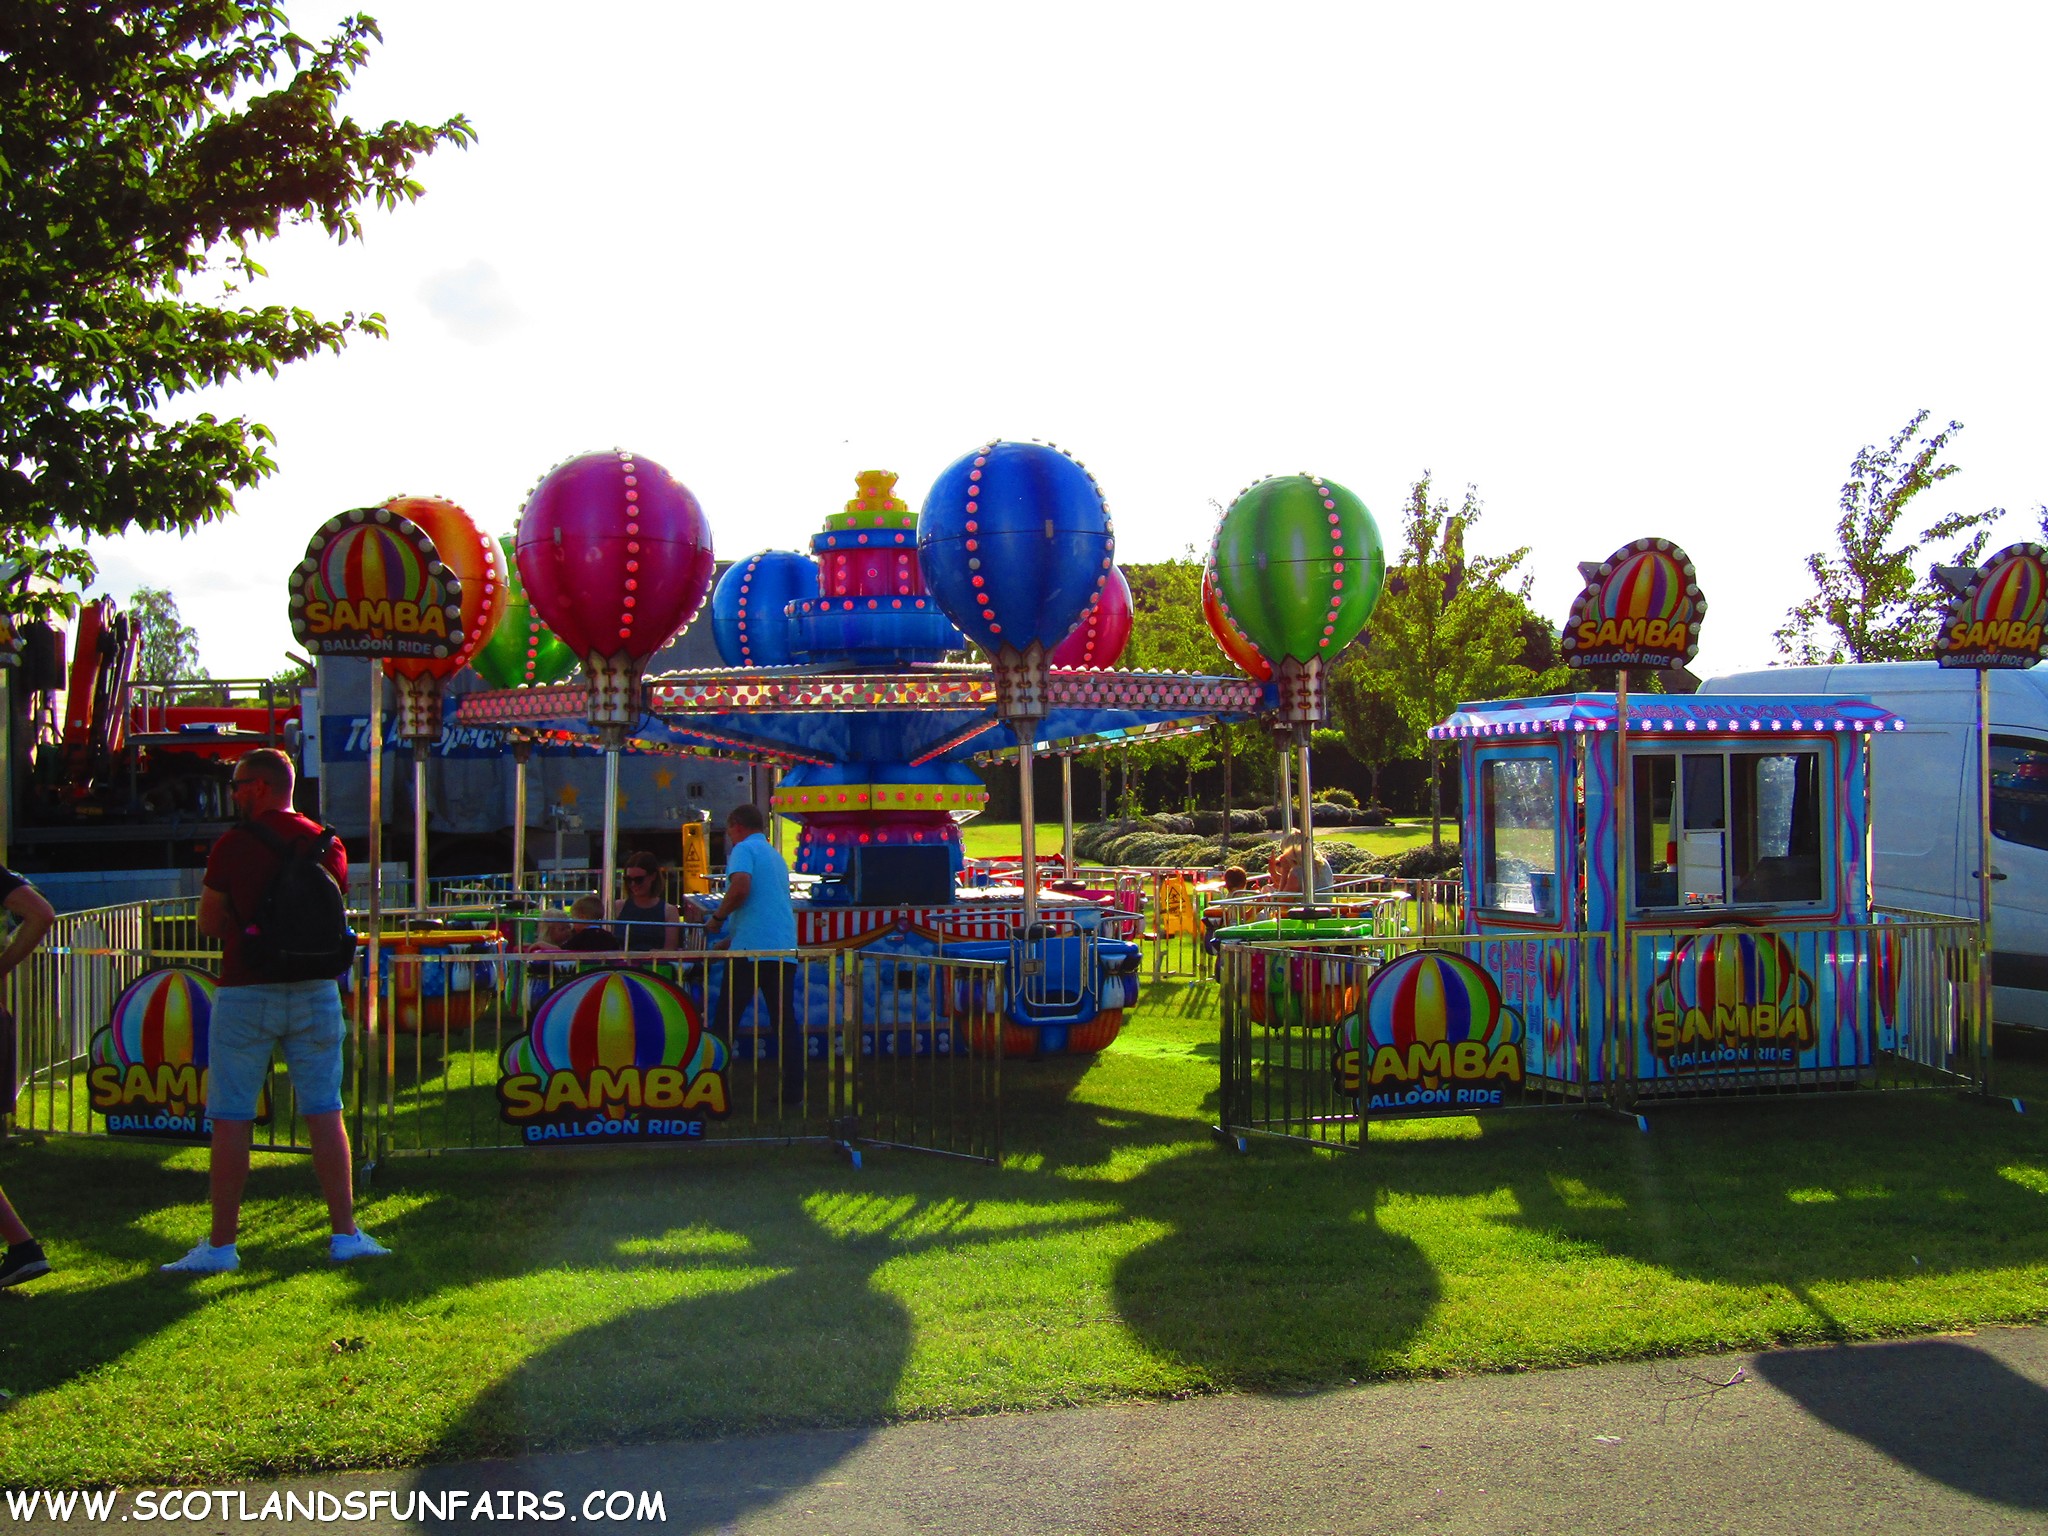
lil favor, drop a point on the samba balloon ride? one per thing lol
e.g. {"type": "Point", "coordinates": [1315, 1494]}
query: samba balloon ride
{"type": "Point", "coordinates": [844, 675]}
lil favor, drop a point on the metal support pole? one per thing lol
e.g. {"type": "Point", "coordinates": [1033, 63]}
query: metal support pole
{"type": "Point", "coordinates": [1028, 817]}
{"type": "Point", "coordinates": [1980, 1036]}
{"type": "Point", "coordinates": [1286, 772]}
{"type": "Point", "coordinates": [421, 886]}
{"type": "Point", "coordinates": [1620, 1043]}
{"type": "Point", "coordinates": [1226, 793]}
{"type": "Point", "coordinates": [611, 824]}
{"type": "Point", "coordinates": [1067, 812]}
{"type": "Point", "coordinates": [774, 820]}
{"type": "Point", "coordinates": [521, 751]}
{"type": "Point", "coordinates": [375, 1046]}
{"type": "Point", "coordinates": [1308, 825]}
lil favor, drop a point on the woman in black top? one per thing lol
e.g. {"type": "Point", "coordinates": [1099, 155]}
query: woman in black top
{"type": "Point", "coordinates": [644, 919]}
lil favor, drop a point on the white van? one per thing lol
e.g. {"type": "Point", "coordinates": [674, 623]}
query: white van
{"type": "Point", "coordinates": [1924, 803]}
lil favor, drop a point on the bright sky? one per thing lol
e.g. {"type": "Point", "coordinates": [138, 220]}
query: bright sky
{"type": "Point", "coordinates": [1632, 270]}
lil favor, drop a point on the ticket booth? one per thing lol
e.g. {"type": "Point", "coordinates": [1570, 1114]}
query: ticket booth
{"type": "Point", "coordinates": [1736, 864]}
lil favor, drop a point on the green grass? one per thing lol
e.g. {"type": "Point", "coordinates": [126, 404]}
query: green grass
{"type": "Point", "coordinates": [574, 1299]}
{"type": "Point", "coordinates": [1004, 839]}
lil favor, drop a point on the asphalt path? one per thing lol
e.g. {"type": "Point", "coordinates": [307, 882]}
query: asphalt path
{"type": "Point", "coordinates": [1934, 1435]}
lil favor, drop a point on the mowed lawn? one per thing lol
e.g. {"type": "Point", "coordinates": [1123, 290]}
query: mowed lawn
{"type": "Point", "coordinates": [1004, 839]}
{"type": "Point", "coordinates": [565, 1299]}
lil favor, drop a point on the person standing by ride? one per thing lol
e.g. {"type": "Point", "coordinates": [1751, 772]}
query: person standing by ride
{"type": "Point", "coordinates": [755, 915]}
{"type": "Point", "coordinates": [32, 916]}
{"type": "Point", "coordinates": [253, 1015]}
{"type": "Point", "coordinates": [644, 918]}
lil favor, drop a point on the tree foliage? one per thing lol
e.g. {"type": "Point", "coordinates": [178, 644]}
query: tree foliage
{"type": "Point", "coordinates": [1449, 627]}
{"type": "Point", "coordinates": [1873, 598]}
{"type": "Point", "coordinates": [166, 648]}
{"type": "Point", "coordinates": [1367, 715]}
{"type": "Point", "coordinates": [146, 148]}
{"type": "Point", "coordinates": [1169, 634]}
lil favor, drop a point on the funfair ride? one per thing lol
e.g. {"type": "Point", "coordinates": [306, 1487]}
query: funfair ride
{"type": "Point", "coordinates": [844, 674]}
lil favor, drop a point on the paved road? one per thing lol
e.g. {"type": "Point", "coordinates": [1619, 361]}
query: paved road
{"type": "Point", "coordinates": [1940, 1435]}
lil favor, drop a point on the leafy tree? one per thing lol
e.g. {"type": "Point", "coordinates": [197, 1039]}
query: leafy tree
{"type": "Point", "coordinates": [166, 648]}
{"type": "Point", "coordinates": [1873, 599]}
{"type": "Point", "coordinates": [1449, 627]}
{"type": "Point", "coordinates": [1368, 715]}
{"type": "Point", "coordinates": [1168, 634]}
{"type": "Point", "coordinates": [147, 146]}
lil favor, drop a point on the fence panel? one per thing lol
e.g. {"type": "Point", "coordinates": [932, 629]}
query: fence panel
{"type": "Point", "coordinates": [556, 1049]}
{"type": "Point", "coordinates": [1321, 1037]}
{"type": "Point", "coordinates": [924, 1044]}
{"type": "Point", "coordinates": [111, 1031]}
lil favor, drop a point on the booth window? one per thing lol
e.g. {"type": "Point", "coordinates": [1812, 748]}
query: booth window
{"type": "Point", "coordinates": [1520, 810]}
{"type": "Point", "coordinates": [2019, 791]}
{"type": "Point", "coordinates": [1729, 828]}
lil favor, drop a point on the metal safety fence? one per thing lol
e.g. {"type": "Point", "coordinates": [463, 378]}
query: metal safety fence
{"type": "Point", "coordinates": [542, 1048]}
{"type": "Point", "coordinates": [107, 1033]}
{"type": "Point", "coordinates": [1319, 1038]}
{"type": "Point", "coordinates": [473, 1045]}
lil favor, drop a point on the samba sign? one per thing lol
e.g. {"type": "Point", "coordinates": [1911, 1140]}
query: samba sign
{"type": "Point", "coordinates": [613, 1056]}
{"type": "Point", "coordinates": [1641, 608]}
{"type": "Point", "coordinates": [372, 584]}
{"type": "Point", "coordinates": [1995, 622]}
{"type": "Point", "coordinates": [1433, 1033]}
{"type": "Point", "coordinates": [147, 1071]}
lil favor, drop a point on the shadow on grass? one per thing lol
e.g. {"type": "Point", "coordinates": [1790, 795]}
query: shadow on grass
{"type": "Point", "coordinates": [1236, 1273]}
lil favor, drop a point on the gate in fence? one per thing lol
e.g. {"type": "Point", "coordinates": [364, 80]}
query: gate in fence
{"type": "Point", "coordinates": [477, 1048]}
{"type": "Point", "coordinates": [1320, 1039]}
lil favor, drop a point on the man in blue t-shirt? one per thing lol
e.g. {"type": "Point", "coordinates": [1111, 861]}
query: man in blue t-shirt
{"type": "Point", "coordinates": [755, 918]}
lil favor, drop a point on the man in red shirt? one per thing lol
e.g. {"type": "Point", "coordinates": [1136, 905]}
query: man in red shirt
{"type": "Point", "coordinates": [252, 1017]}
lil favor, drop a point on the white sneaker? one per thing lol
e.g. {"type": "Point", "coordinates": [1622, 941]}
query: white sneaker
{"type": "Point", "coordinates": [204, 1259]}
{"type": "Point", "coordinates": [344, 1246]}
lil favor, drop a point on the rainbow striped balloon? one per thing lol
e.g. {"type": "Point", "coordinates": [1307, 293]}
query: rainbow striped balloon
{"type": "Point", "coordinates": [2013, 590]}
{"type": "Point", "coordinates": [160, 1020]}
{"type": "Point", "coordinates": [1430, 996]}
{"type": "Point", "coordinates": [1734, 970]}
{"type": "Point", "coordinates": [1648, 584]}
{"type": "Point", "coordinates": [374, 561]}
{"type": "Point", "coordinates": [615, 1019]}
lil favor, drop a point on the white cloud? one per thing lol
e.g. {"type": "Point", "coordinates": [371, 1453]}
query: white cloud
{"type": "Point", "coordinates": [471, 301]}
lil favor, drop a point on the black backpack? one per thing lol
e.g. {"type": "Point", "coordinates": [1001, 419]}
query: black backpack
{"type": "Point", "coordinates": [300, 929]}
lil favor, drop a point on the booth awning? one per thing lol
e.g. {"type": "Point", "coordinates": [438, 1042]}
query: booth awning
{"type": "Point", "coordinates": [1719, 714]}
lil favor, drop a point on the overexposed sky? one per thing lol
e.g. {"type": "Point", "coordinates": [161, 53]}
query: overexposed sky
{"type": "Point", "coordinates": [1632, 269]}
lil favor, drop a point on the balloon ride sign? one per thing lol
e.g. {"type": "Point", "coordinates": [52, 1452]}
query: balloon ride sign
{"type": "Point", "coordinates": [372, 584]}
{"type": "Point", "coordinates": [613, 1056]}
{"type": "Point", "coordinates": [1641, 608]}
{"type": "Point", "coordinates": [1997, 619]}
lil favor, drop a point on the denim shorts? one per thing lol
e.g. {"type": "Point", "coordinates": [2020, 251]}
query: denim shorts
{"type": "Point", "coordinates": [300, 1018]}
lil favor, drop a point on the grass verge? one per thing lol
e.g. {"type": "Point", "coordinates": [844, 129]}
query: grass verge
{"type": "Point", "coordinates": [568, 1299]}
{"type": "Point", "coordinates": [1003, 839]}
